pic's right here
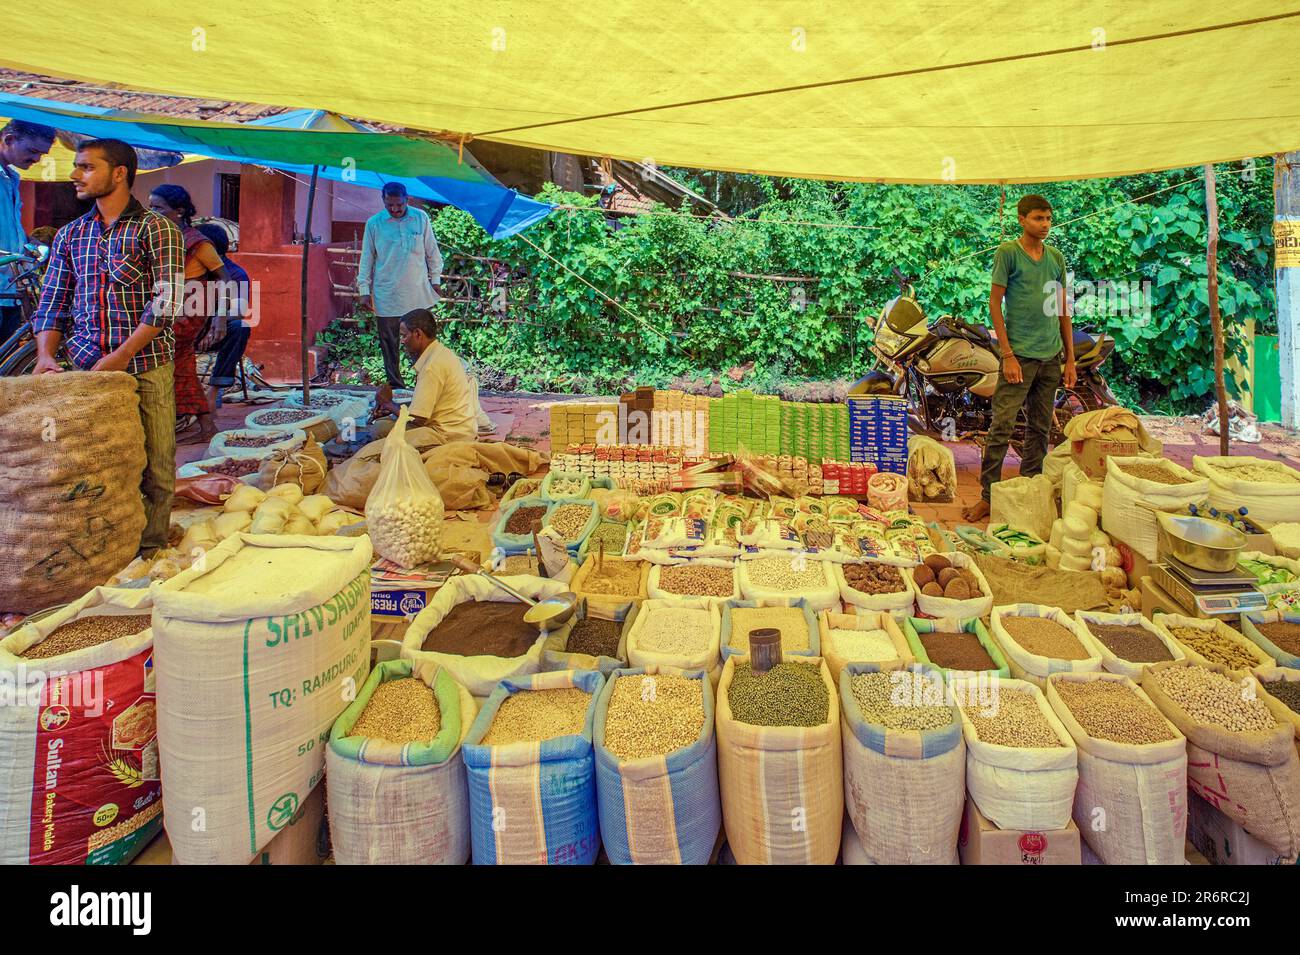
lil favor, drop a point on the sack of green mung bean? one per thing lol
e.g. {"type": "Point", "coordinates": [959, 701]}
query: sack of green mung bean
{"type": "Point", "coordinates": [1131, 801]}
{"type": "Point", "coordinates": [531, 772]}
{"type": "Point", "coordinates": [1241, 753]}
{"type": "Point", "coordinates": [257, 649]}
{"type": "Point", "coordinates": [471, 662]}
{"type": "Point", "coordinates": [1021, 765]}
{"type": "Point", "coordinates": [656, 767]}
{"type": "Point", "coordinates": [79, 778]}
{"type": "Point", "coordinates": [904, 763]}
{"type": "Point", "coordinates": [395, 776]}
{"type": "Point", "coordinates": [782, 780]}
{"type": "Point", "coordinates": [1039, 641]}
{"type": "Point", "coordinates": [596, 640]}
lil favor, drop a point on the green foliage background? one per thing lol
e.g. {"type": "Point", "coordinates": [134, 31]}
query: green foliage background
{"type": "Point", "coordinates": [684, 314]}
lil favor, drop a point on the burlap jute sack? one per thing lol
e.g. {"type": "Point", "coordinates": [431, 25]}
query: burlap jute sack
{"type": "Point", "coordinates": [305, 466]}
{"type": "Point", "coordinates": [1254, 776]}
{"type": "Point", "coordinates": [71, 456]}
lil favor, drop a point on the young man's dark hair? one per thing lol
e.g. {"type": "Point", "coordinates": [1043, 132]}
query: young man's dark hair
{"type": "Point", "coordinates": [421, 320]}
{"type": "Point", "coordinates": [393, 189]}
{"type": "Point", "coordinates": [117, 153]}
{"type": "Point", "coordinates": [21, 129]}
{"type": "Point", "coordinates": [1032, 203]}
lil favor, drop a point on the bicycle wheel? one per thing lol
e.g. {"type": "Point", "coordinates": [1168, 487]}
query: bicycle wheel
{"type": "Point", "coordinates": [20, 360]}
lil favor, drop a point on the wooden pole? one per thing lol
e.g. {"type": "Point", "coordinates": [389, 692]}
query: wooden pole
{"type": "Point", "coordinates": [1216, 320]}
{"type": "Point", "coordinates": [306, 256]}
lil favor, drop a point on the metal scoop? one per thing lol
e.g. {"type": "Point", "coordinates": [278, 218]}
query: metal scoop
{"type": "Point", "coordinates": [546, 614]}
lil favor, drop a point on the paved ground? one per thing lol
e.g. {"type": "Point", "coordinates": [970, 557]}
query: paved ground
{"type": "Point", "coordinates": [524, 419]}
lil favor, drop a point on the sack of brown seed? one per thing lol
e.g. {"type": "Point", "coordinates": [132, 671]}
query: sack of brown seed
{"type": "Point", "coordinates": [1131, 803]}
{"type": "Point", "coordinates": [71, 515]}
{"type": "Point", "coordinates": [394, 771]}
{"type": "Point", "coordinates": [79, 780]}
{"type": "Point", "coordinates": [1241, 752]}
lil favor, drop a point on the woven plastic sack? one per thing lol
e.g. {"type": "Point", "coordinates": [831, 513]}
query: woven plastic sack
{"type": "Point", "coordinates": [1131, 801]}
{"type": "Point", "coordinates": [1034, 667]}
{"type": "Point", "coordinates": [1025, 503]}
{"type": "Point", "coordinates": [1112, 663]}
{"type": "Point", "coordinates": [658, 810]}
{"type": "Point", "coordinates": [219, 446]}
{"type": "Point", "coordinates": [534, 803]}
{"type": "Point", "coordinates": [1269, 502]}
{"type": "Point", "coordinates": [904, 790]}
{"type": "Point", "coordinates": [404, 510]}
{"type": "Point", "coordinates": [728, 631]}
{"type": "Point", "coordinates": [555, 657]}
{"type": "Point", "coordinates": [1165, 621]}
{"type": "Point", "coordinates": [401, 803]}
{"type": "Point", "coordinates": [78, 734]}
{"type": "Point", "coordinates": [1017, 787]}
{"type": "Point", "coordinates": [1250, 629]}
{"type": "Point", "coordinates": [782, 786]}
{"type": "Point", "coordinates": [1124, 513]}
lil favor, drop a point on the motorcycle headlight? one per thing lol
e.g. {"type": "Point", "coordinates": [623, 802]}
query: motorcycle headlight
{"type": "Point", "coordinates": [889, 341]}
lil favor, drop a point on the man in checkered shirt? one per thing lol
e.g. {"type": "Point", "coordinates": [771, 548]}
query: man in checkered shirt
{"type": "Point", "coordinates": [113, 287]}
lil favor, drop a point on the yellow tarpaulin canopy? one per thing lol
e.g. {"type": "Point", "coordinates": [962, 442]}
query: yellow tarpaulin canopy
{"type": "Point", "coordinates": [925, 91]}
{"type": "Point", "coordinates": [56, 165]}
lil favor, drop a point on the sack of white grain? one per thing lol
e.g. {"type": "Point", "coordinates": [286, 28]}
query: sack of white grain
{"type": "Point", "coordinates": [904, 763]}
{"type": "Point", "coordinates": [404, 511]}
{"type": "Point", "coordinates": [78, 750]}
{"type": "Point", "coordinates": [257, 649]}
{"type": "Point", "coordinates": [659, 809]}
{"type": "Point", "coordinates": [1269, 490]}
{"type": "Point", "coordinates": [480, 672]}
{"type": "Point", "coordinates": [782, 787]}
{"type": "Point", "coordinates": [400, 803]}
{"type": "Point", "coordinates": [1131, 801]}
{"type": "Point", "coordinates": [71, 515]}
{"type": "Point", "coordinates": [530, 802]}
{"type": "Point", "coordinates": [931, 471]}
{"type": "Point", "coordinates": [1125, 496]}
{"type": "Point", "coordinates": [1026, 778]}
{"type": "Point", "coordinates": [1025, 503]}
{"type": "Point", "coordinates": [1241, 753]}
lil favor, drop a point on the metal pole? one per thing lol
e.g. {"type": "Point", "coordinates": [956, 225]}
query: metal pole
{"type": "Point", "coordinates": [306, 255]}
{"type": "Point", "coordinates": [1216, 320]}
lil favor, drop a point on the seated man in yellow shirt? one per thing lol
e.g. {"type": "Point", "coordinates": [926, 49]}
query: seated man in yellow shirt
{"type": "Point", "coordinates": [442, 389]}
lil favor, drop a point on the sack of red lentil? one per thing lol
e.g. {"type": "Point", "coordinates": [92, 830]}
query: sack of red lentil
{"type": "Point", "coordinates": [1131, 801]}
{"type": "Point", "coordinates": [904, 763]}
{"type": "Point", "coordinates": [466, 655]}
{"type": "Point", "coordinates": [1035, 657]}
{"type": "Point", "coordinates": [532, 799]}
{"type": "Point", "coordinates": [258, 648]}
{"type": "Point", "coordinates": [401, 802]}
{"type": "Point", "coordinates": [782, 786]}
{"type": "Point", "coordinates": [79, 780]}
{"type": "Point", "coordinates": [657, 767]}
{"type": "Point", "coordinates": [1241, 752]}
{"type": "Point", "coordinates": [1021, 765]}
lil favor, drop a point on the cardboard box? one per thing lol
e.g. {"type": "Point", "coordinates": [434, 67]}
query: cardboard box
{"type": "Point", "coordinates": [982, 843]}
{"type": "Point", "coordinates": [1222, 840]}
{"type": "Point", "coordinates": [1091, 453]}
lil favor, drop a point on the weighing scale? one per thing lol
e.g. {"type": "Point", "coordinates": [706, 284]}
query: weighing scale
{"type": "Point", "coordinates": [1207, 593]}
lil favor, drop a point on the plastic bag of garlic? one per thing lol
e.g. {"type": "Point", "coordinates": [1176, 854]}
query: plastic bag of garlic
{"type": "Point", "coordinates": [404, 510]}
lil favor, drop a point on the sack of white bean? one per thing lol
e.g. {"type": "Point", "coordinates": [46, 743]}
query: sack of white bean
{"type": "Point", "coordinates": [532, 798]}
{"type": "Point", "coordinates": [864, 637]}
{"type": "Point", "coordinates": [257, 649]}
{"type": "Point", "coordinates": [1131, 801]}
{"type": "Point", "coordinates": [682, 633]}
{"type": "Point", "coordinates": [1021, 765]}
{"type": "Point", "coordinates": [404, 510]}
{"type": "Point", "coordinates": [904, 763]}
{"type": "Point", "coordinates": [781, 780]}
{"type": "Point", "coordinates": [656, 767]}
{"type": "Point", "coordinates": [475, 665]}
{"type": "Point", "coordinates": [394, 772]}
{"type": "Point", "coordinates": [789, 577]}
{"type": "Point", "coordinates": [1241, 752]}
{"type": "Point", "coordinates": [78, 734]}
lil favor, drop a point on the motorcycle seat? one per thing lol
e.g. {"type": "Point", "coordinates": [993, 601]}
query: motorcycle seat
{"type": "Point", "coordinates": [950, 326]}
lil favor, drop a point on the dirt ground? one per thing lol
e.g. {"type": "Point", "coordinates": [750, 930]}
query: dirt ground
{"type": "Point", "coordinates": [524, 419]}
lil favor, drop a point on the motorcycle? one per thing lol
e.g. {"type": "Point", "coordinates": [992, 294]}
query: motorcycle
{"type": "Point", "coordinates": [948, 370]}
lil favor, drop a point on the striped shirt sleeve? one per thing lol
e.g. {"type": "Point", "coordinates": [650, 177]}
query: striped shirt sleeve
{"type": "Point", "coordinates": [167, 276]}
{"type": "Point", "coordinates": [57, 288]}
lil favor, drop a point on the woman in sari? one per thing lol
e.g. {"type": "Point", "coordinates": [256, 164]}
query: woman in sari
{"type": "Point", "coordinates": [202, 263]}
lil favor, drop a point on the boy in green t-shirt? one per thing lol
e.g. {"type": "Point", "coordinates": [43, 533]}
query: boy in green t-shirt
{"type": "Point", "coordinates": [1032, 337]}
